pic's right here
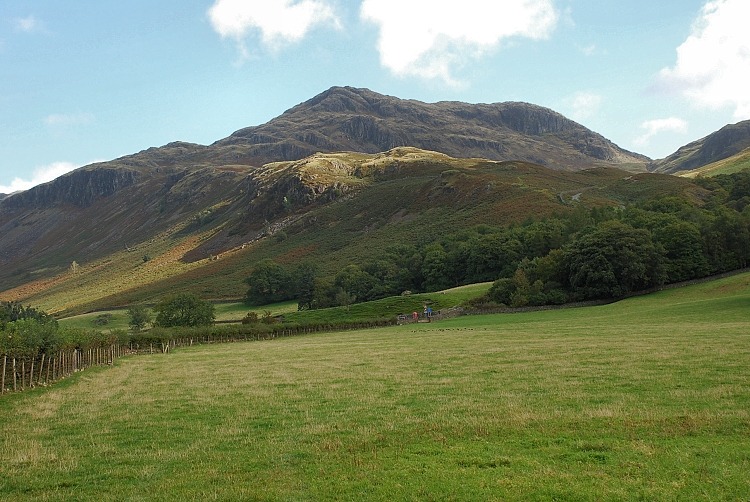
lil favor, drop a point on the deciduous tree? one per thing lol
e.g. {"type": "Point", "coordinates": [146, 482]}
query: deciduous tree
{"type": "Point", "coordinates": [139, 317]}
{"type": "Point", "coordinates": [184, 309]}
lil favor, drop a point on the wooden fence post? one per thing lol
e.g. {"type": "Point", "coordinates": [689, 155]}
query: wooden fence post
{"type": "Point", "coordinates": [41, 370]}
{"type": "Point", "coordinates": [46, 378]}
{"type": "Point", "coordinates": [15, 378]}
{"type": "Point", "coordinates": [31, 375]}
{"type": "Point", "coordinates": [5, 362]}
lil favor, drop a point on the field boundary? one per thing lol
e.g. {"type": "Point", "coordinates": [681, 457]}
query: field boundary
{"type": "Point", "coordinates": [26, 371]}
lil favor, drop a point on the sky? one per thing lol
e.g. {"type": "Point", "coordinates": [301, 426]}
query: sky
{"type": "Point", "coordinates": [83, 81]}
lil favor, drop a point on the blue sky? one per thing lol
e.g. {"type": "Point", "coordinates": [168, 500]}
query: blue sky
{"type": "Point", "coordinates": [90, 80]}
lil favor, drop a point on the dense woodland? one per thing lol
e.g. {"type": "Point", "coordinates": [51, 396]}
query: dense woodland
{"type": "Point", "coordinates": [588, 254]}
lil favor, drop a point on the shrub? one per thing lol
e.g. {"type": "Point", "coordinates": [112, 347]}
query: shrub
{"type": "Point", "coordinates": [251, 318]}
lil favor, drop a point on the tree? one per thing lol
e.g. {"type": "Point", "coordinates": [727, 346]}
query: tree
{"type": "Point", "coordinates": [184, 309]}
{"type": "Point", "coordinates": [435, 268]}
{"type": "Point", "coordinates": [14, 311]}
{"type": "Point", "coordinates": [356, 282]}
{"type": "Point", "coordinates": [305, 279]}
{"type": "Point", "coordinates": [612, 260]}
{"type": "Point", "coordinates": [139, 317]}
{"type": "Point", "coordinates": [344, 299]}
{"type": "Point", "coordinates": [489, 256]}
{"type": "Point", "coordinates": [520, 296]}
{"type": "Point", "coordinates": [269, 283]}
{"type": "Point", "coordinates": [502, 291]}
{"type": "Point", "coordinates": [683, 251]}
{"type": "Point", "coordinates": [27, 337]}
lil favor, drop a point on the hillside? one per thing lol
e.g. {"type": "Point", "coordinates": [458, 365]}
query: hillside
{"type": "Point", "coordinates": [729, 165]}
{"type": "Point", "coordinates": [201, 230]}
{"type": "Point", "coordinates": [728, 141]}
{"type": "Point", "coordinates": [103, 209]}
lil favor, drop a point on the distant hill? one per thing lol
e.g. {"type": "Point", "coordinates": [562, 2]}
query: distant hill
{"type": "Point", "coordinates": [728, 141]}
{"type": "Point", "coordinates": [729, 165]}
{"type": "Point", "coordinates": [351, 119]}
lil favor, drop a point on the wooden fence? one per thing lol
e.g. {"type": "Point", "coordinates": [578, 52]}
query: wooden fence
{"type": "Point", "coordinates": [21, 373]}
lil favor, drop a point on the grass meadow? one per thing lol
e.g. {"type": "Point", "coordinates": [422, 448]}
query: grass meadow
{"type": "Point", "coordinates": [235, 311]}
{"type": "Point", "coordinates": [644, 399]}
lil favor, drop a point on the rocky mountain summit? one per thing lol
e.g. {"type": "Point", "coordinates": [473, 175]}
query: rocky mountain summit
{"type": "Point", "coordinates": [351, 119]}
{"type": "Point", "coordinates": [347, 119]}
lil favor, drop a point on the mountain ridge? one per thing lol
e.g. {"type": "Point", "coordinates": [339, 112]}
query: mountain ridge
{"type": "Point", "coordinates": [353, 119]}
{"type": "Point", "coordinates": [724, 143]}
{"type": "Point", "coordinates": [359, 120]}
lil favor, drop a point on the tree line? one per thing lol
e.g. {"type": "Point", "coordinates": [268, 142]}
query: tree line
{"type": "Point", "coordinates": [594, 253]}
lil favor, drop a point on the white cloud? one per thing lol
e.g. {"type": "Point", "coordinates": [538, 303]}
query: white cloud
{"type": "Point", "coordinates": [428, 39]}
{"type": "Point", "coordinates": [713, 64]}
{"type": "Point", "coordinates": [588, 50]}
{"type": "Point", "coordinates": [40, 175]}
{"type": "Point", "coordinates": [658, 126]}
{"type": "Point", "coordinates": [66, 120]}
{"type": "Point", "coordinates": [591, 50]}
{"type": "Point", "coordinates": [583, 105]}
{"type": "Point", "coordinates": [279, 22]}
{"type": "Point", "coordinates": [28, 24]}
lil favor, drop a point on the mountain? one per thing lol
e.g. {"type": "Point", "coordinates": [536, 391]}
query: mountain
{"type": "Point", "coordinates": [351, 119]}
{"type": "Point", "coordinates": [728, 141]}
{"type": "Point", "coordinates": [188, 217]}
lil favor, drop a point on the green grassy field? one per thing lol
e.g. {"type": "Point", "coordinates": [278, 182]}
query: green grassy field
{"type": "Point", "coordinates": [226, 311]}
{"type": "Point", "coordinates": [235, 311]}
{"type": "Point", "coordinates": [644, 399]}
